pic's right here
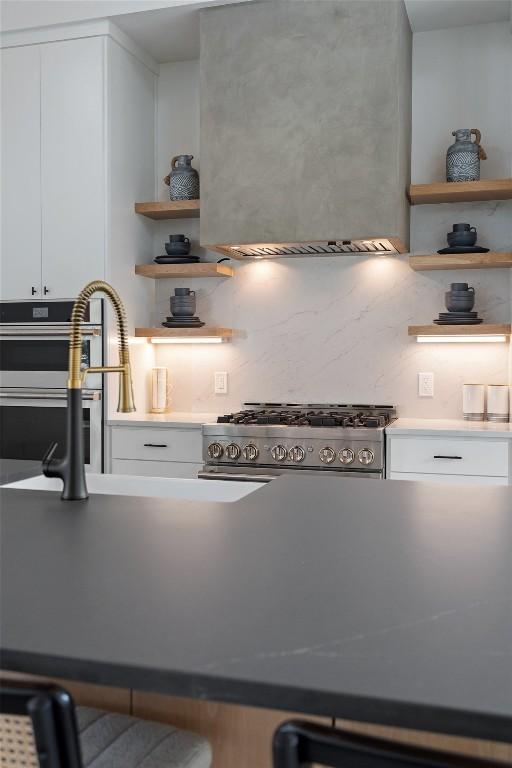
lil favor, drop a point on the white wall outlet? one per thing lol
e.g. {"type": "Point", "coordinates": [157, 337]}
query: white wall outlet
{"type": "Point", "coordinates": [220, 382]}
{"type": "Point", "coordinates": [426, 384]}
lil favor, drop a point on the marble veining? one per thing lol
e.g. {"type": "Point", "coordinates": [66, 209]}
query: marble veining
{"type": "Point", "coordinates": [333, 330]}
{"type": "Point", "coordinates": [338, 652]}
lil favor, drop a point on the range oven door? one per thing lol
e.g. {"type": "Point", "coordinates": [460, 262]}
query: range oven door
{"type": "Point", "coordinates": [31, 419]}
{"type": "Point", "coordinates": [266, 474]}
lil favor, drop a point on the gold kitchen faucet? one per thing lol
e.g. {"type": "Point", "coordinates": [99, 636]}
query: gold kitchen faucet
{"type": "Point", "coordinates": [71, 468]}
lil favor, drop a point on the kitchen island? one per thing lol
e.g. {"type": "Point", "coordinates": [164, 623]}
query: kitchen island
{"type": "Point", "coordinates": [381, 602]}
{"type": "Point", "coordinates": [13, 470]}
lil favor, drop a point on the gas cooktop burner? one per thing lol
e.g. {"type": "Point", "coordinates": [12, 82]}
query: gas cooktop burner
{"type": "Point", "coordinates": [267, 439]}
{"type": "Point", "coordinates": [292, 415]}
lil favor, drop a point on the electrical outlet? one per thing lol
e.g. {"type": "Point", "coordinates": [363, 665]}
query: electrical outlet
{"type": "Point", "coordinates": [220, 382]}
{"type": "Point", "coordinates": [426, 384]}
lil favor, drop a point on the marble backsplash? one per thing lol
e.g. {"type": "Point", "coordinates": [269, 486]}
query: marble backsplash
{"type": "Point", "coordinates": [335, 329]}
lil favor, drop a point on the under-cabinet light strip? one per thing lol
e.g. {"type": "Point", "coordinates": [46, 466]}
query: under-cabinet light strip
{"type": "Point", "coordinates": [186, 340]}
{"type": "Point", "coordinates": [461, 339]}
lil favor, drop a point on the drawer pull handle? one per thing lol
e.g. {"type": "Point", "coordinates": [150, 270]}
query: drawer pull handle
{"type": "Point", "coordinates": [155, 445]}
{"type": "Point", "coordinates": [447, 457]}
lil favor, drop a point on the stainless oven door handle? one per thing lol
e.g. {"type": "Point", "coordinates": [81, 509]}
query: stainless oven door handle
{"type": "Point", "coordinates": [24, 332]}
{"type": "Point", "coordinates": [242, 478]}
{"type": "Point", "coordinates": [41, 394]}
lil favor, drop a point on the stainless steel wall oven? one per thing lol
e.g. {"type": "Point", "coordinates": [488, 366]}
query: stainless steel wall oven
{"type": "Point", "coordinates": [34, 339]}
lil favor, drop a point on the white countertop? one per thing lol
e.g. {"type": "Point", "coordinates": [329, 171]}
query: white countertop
{"type": "Point", "coordinates": [177, 419]}
{"type": "Point", "coordinates": [453, 427]}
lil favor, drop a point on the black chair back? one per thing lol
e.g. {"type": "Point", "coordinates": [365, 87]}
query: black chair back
{"type": "Point", "coordinates": [300, 744]}
{"type": "Point", "coordinates": [37, 727]}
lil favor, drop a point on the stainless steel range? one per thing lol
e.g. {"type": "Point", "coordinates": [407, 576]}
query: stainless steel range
{"type": "Point", "coordinates": [268, 439]}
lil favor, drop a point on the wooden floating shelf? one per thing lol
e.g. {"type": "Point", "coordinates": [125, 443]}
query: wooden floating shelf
{"type": "Point", "coordinates": [158, 271]}
{"type": "Point", "coordinates": [460, 191]}
{"type": "Point", "coordinates": [460, 330]}
{"type": "Point", "coordinates": [171, 209]}
{"type": "Point", "coordinates": [460, 261]}
{"type": "Point", "coordinates": [175, 333]}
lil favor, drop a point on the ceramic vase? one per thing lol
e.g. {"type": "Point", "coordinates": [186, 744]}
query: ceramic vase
{"type": "Point", "coordinates": [183, 180]}
{"type": "Point", "coordinates": [464, 155]}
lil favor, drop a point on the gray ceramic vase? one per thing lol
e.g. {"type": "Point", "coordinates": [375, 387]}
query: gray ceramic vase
{"type": "Point", "coordinates": [183, 180]}
{"type": "Point", "coordinates": [463, 156]}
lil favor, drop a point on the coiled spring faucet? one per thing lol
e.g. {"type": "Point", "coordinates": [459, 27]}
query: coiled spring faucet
{"type": "Point", "coordinates": [71, 468]}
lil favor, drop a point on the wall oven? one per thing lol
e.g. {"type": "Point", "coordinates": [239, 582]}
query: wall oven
{"type": "Point", "coordinates": [34, 340]}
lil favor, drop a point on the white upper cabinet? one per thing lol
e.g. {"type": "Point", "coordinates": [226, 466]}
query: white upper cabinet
{"type": "Point", "coordinates": [73, 165]}
{"type": "Point", "coordinates": [78, 131]}
{"type": "Point", "coordinates": [53, 168]}
{"type": "Point", "coordinates": [21, 174]}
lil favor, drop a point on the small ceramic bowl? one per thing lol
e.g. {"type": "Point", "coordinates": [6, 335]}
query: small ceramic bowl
{"type": "Point", "coordinates": [177, 248]}
{"type": "Point", "coordinates": [461, 238]}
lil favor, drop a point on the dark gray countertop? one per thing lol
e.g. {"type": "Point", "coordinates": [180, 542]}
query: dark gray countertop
{"type": "Point", "coordinates": [12, 470]}
{"type": "Point", "coordinates": [382, 601]}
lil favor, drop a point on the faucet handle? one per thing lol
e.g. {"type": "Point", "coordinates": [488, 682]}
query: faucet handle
{"type": "Point", "coordinates": [47, 458]}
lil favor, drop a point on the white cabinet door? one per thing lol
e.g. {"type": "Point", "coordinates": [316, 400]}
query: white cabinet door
{"type": "Point", "coordinates": [157, 444]}
{"type": "Point", "coordinates": [73, 138]}
{"type": "Point", "coordinates": [21, 174]}
{"type": "Point", "coordinates": [179, 469]}
{"type": "Point", "coordinates": [451, 479]}
{"type": "Point", "coordinates": [449, 455]}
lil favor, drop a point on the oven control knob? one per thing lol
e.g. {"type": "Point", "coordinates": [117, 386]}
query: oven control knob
{"type": "Point", "coordinates": [327, 455]}
{"type": "Point", "coordinates": [215, 451]}
{"type": "Point", "coordinates": [365, 456]}
{"type": "Point", "coordinates": [346, 455]}
{"type": "Point", "coordinates": [279, 452]}
{"type": "Point", "coordinates": [233, 451]}
{"type": "Point", "coordinates": [250, 452]}
{"type": "Point", "coordinates": [297, 454]}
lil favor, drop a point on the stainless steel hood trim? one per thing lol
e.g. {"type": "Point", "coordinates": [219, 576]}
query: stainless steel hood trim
{"type": "Point", "coordinates": [376, 246]}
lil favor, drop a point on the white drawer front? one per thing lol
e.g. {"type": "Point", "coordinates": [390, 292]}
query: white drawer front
{"type": "Point", "coordinates": [455, 479]}
{"type": "Point", "coordinates": [156, 468]}
{"type": "Point", "coordinates": [450, 456]}
{"type": "Point", "coordinates": [157, 444]}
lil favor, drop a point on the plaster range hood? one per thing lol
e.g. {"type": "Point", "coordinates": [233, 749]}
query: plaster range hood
{"type": "Point", "coordinates": [305, 128]}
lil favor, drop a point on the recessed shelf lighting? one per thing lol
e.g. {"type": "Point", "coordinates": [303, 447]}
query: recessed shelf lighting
{"type": "Point", "coordinates": [461, 334]}
{"type": "Point", "coordinates": [184, 340]}
{"type": "Point", "coordinates": [461, 339]}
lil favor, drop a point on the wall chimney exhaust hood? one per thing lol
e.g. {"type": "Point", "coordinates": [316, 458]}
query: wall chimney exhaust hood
{"type": "Point", "coordinates": [305, 128]}
{"type": "Point", "coordinates": [379, 247]}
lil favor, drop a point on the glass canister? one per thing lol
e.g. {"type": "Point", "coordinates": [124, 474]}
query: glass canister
{"type": "Point", "coordinates": [159, 397]}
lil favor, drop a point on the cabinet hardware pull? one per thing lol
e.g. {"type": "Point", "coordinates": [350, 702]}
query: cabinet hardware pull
{"type": "Point", "coordinates": [155, 445]}
{"type": "Point", "coordinates": [447, 457]}
{"type": "Point", "coordinates": [46, 290]}
{"type": "Point", "coordinates": [34, 291]}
